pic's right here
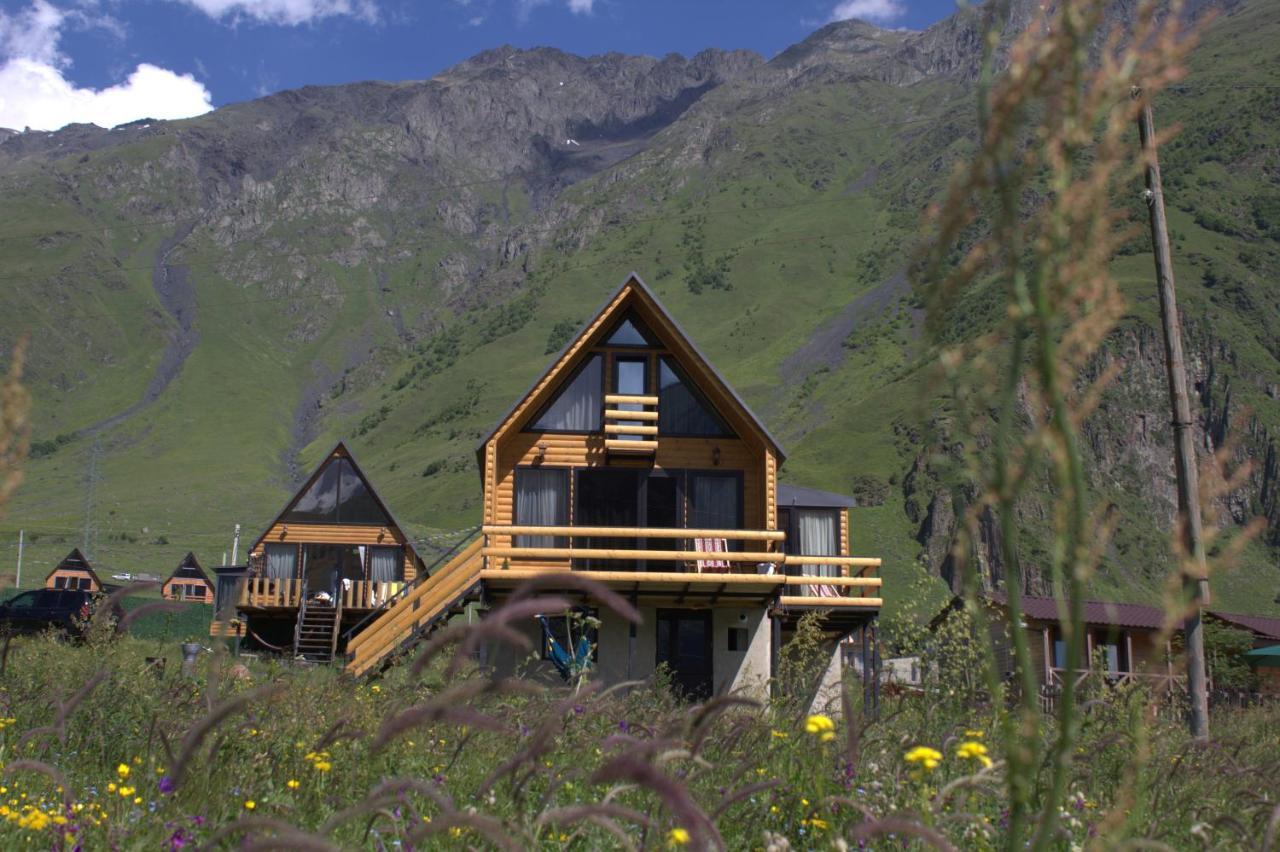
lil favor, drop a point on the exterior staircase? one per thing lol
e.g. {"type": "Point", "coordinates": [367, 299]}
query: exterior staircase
{"type": "Point", "coordinates": [420, 608]}
{"type": "Point", "coordinates": [315, 637]}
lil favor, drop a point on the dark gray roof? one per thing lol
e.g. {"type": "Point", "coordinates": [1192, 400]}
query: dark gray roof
{"type": "Point", "coordinates": [782, 453]}
{"type": "Point", "coordinates": [795, 495]}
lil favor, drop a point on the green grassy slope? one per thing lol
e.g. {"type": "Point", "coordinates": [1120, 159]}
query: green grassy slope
{"type": "Point", "coordinates": [778, 241]}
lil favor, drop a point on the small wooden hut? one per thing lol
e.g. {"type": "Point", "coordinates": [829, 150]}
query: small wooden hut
{"type": "Point", "coordinates": [73, 572]}
{"type": "Point", "coordinates": [188, 582]}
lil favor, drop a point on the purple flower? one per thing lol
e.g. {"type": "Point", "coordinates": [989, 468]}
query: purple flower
{"type": "Point", "coordinates": [166, 785]}
{"type": "Point", "coordinates": [578, 709]}
{"type": "Point", "coordinates": [197, 820]}
{"type": "Point", "coordinates": [623, 726]}
{"type": "Point", "coordinates": [178, 839]}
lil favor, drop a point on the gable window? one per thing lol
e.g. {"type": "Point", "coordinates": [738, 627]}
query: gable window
{"type": "Point", "coordinates": [339, 495]}
{"type": "Point", "coordinates": [630, 332]}
{"type": "Point", "coordinates": [682, 410]}
{"type": "Point", "coordinates": [577, 407]}
{"type": "Point", "coordinates": [542, 500]}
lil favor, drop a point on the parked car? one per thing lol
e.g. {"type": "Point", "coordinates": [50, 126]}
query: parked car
{"type": "Point", "coordinates": [67, 610]}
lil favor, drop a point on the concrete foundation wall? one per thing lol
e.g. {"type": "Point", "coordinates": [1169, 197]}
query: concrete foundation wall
{"type": "Point", "coordinates": [743, 672]}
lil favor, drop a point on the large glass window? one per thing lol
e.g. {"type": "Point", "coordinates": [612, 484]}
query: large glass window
{"type": "Point", "coordinates": [682, 410]}
{"type": "Point", "coordinates": [325, 566]}
{"type": "Point", "coordinates": [542, 500]}
{"type": "Point", "coordinates": [339, 495]}
{"type": "Point", "coordinates": [818, 534]}
{"type": "Point", "coordinates": [715, 501]}
{"type": "Point", "coordinates": [577, 407]}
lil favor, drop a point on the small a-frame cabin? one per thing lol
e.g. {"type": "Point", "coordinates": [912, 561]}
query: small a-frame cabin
{"type": "Point", "coordinates": [633, 462]}
{"type": "Point", "coordinates": [188, 582]}
{"type": "Point", "coordinates": [333, 554]}
{"type": "Point", "coordinates": [73, 572]}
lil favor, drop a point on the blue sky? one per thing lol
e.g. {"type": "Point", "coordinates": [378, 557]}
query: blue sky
{"type": "Point", "coordinates": [109, 61]}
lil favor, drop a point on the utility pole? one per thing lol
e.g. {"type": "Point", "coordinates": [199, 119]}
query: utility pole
{"type": "Point", "coordinates": [17, 583]}
{"type": "Point", "coordinates": [1196, 582]}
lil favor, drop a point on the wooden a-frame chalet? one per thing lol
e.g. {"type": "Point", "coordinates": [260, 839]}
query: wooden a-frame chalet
{"type": "Point", "coordinates": [73, 572]}
{"type": "Point", "coordinates": [631, 461]}
{"type": "Point", "coordinates": [188, 582]}
{"type": "Point", "coordinates": [333, 555]}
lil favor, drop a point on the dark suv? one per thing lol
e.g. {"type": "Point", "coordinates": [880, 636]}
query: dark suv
{"type": "Point", "coordinates": [67, 610]}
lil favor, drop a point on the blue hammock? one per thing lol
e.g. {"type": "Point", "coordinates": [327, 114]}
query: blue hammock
{"type": "Point", "coordinates": [567, 664]}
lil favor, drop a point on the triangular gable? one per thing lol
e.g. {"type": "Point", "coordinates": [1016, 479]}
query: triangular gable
{"type": "Point", "coordinates": [339, 451]}
{"type": "Point", "coordinates": [633, 296]}
{"type": "Point", "coordinates": [189, 569]}
{"type": "Point", "coordinates": [74, 561]}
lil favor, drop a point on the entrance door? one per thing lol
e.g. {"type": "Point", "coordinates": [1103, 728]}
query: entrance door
{"type": "Point", "coordinates": [684, 644]}
{"type": "Point", "coordinates": [622, 497]}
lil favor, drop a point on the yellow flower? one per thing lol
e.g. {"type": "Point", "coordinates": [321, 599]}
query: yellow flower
{"type": "Point", "coordinates": [123, 770]}
{"type": "Point", "coordinates": [927, 758]}
{"type": "Point", "coordinates": [779, 735]}
{"type": "Point", "coordinates": [819, 824]}
{"type": "Point", "coordinates": [250, 805]}
{"type": "Point", "coordinates": [126, 792]}
{"type": "Point", "coordinates": [111, 788]}
{"type": "Point", "coordinates": [678, 836]}
{"type": "Point", "coordinates": [973, 735]}
{"type": "Point", "coordinates": [322, 765]}
{"type": "Point", "coordinates": [293, 783]}
{"type": "Point", "coordinates": [973, 751]}
{"type": "Point", "coordinates": [827, 736]}
{"type": "Point", "coordinates": [818, 724]}
{"type": "Point", "coordinates": [375, 688]}
{"type": "Point", "coordinates": [137, 800]}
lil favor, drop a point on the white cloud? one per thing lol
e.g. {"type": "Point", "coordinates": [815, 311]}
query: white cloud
{"type": "Point", "coordinates": [35, 93]}
{"type": "Point", "coordinates": [524, 8]}
{"type": "Point", "coordinates": [290, 12]}
{"type": "Point", "coordinates": [876, 11]}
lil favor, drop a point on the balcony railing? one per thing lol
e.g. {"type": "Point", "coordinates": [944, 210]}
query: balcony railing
{"type": "Point", "coordinates": [633, 431]}
{"type": "Point", "coordinates": [693, 557]}
{"type": "Point", "coordinates": [275, 593]}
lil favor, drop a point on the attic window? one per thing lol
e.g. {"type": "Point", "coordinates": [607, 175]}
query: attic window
{"type": "Point", "coordinates": [682, 409]}
{"type": "Point", "coordinates": [339, 495]}
{"type": "Point", "coordinates": [577, 406]}
{"type": "Point", "coordinates": [630, 332]}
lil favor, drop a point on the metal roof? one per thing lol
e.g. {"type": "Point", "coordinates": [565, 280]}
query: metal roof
{"type": "Point", "coordinates": [1108, 613]}
{"type": "Point", "coordinates": [796, 495]}
{"type": "Point", "coordinates": [1267, 628]}
{"type": "Point", "coordinates": [643, 287]}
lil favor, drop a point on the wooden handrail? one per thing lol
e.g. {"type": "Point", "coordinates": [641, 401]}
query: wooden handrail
{"type": "Point", "coordinates": [607, 553]}
{"type": "Point", "coordinates": [615, 414]}
{"type": "Point", "coordinates": [635, 532]}
{"type": "Point", "coordinates": [847, 561]}
{"type": "Point", "coordinates": [838, 601]}
{"type": "Point", "coordinates": [627, 429]}
{"type": "Point", "coordinates": [815, 580]}
{"type": "Point", "coordinates": [631, 446]}
{"type": "Point", "coordinates": [629, 399]}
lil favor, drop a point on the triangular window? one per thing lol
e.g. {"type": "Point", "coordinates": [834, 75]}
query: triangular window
{"type": "Point", "coordinates": [577, 407]}
{"type": "Point", "coordinates": [339, 495]}
{"type": "Point", "coordinates": [682, 409]}
{"type": "Point", "coordinates": [630, 332]}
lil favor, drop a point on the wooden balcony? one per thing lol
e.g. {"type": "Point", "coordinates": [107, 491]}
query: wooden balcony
{"type": "Point", "coordinates": [758, 571]}
{"type": "Point", "coordinates": [633, 432]}
{"type": "Point", "coordinates": [271, 593]}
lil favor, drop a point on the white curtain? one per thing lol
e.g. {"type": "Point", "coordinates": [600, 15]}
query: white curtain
{"type": "Point", "coordinates": [540, 501]}
{"type": "Point", "coordinates": [578, 407]}
{"type": "Point", "coordinates": [282, 561]}
{"type": "Point", "coordinates": [385, 564]}
{"type": "Point", "coordinates": [818, 537]}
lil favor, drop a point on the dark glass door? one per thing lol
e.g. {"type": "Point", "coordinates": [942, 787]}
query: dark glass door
{"type": "Point", "coordinates": [684, 645]}
{"type": "Point", "coordinates": [608, 498]}
{"type": "Point", "coordinates": [663, 508]}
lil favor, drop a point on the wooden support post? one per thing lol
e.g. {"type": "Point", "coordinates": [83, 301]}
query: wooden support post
{"type": "Point", "coordinates": [1195, 581]}
{"type": "Point", "coordinates": [1048, 655]}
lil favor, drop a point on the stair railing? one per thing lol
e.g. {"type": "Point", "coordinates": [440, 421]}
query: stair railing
{"type": "Point", "coordinates": [409, 587]}
{"type": "Point", "coordinates": [302, 614]}
{"type": "Point", "coordinates": [337, 624]}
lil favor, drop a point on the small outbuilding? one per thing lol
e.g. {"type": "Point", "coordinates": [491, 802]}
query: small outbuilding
{"type": "Point", "coordinates": [73, 572]}
{"type": "Point", "coordinates": [188, 582]}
